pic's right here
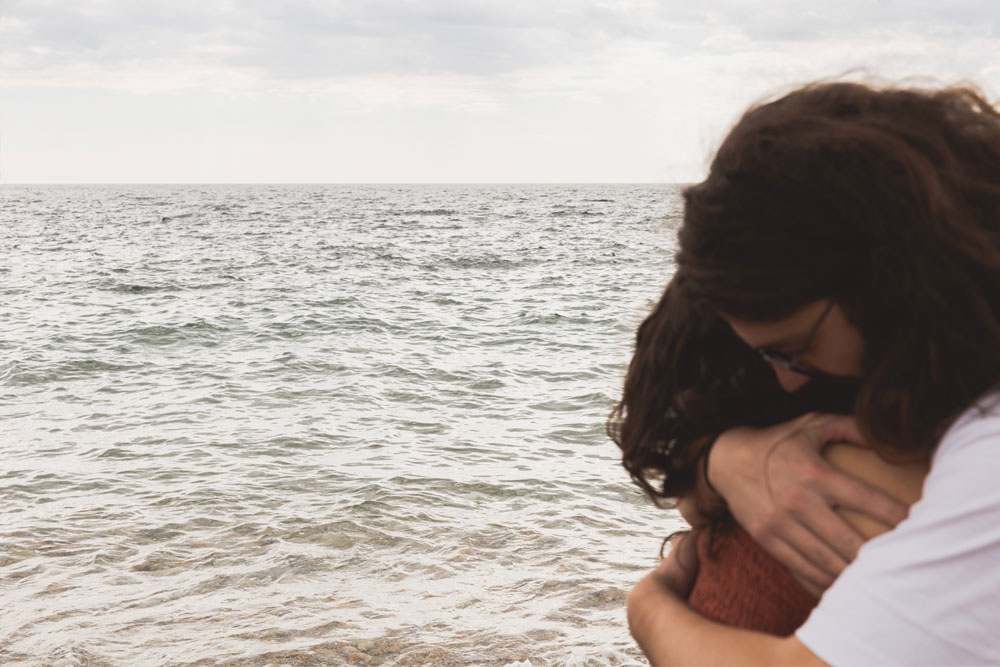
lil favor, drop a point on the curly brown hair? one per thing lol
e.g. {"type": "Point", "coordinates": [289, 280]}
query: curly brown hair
{"type": "Point", "coordinates": [690, 377]}
{"type": "Point", "coordinates": [883, 200]}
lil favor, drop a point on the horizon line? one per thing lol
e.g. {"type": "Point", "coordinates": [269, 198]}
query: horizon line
{"type": "Point", "coordinates": [344, 183]}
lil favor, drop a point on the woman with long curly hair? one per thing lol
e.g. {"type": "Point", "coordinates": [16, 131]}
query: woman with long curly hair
{"type": "Point", "coordinates": [715, 381]}
{"type": "Point", "coordinates": [844, 246]}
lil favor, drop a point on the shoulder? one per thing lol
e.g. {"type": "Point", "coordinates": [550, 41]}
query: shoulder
{"type": "Point", "coordinates": [977, 426]}
{"type": "Point", "coordinates": [966, 463]}
{"type": "Point", "coordinates": [925, 591]}
{"type": "Point", "coordinates": [961, 495]}
{"type": "Point", "coordinates": [900, 480]}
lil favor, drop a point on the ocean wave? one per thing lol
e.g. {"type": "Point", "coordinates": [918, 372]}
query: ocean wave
{"type": "Point", "coordinates": [176, 216]}
{"type": "Point", "coordinates": [299, 395]}
{"type": "Point", "coordinates": [136, 288]}
{"type": "Point", "coordinates": [428, 212]}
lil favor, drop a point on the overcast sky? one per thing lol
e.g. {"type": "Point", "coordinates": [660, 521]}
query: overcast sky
{"type": "Point", "coordinates": [435, 91]}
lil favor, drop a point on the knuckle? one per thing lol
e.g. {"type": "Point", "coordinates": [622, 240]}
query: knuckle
{"type": "Point", "coordinates": [812, 472]}
{"type": "Point", "coordinates": [829, 564]}
{"type": "Point", "coordinates": [763, 534]}
{"type": "Point", "coordinates": [850, 546]}
{"type": "Point", "coordinates": [795, 499]}
{"type": "Point", "coordinates": [894, 513]}
{"type": "Point", "coordinates": [758, 530]}
{"type": "Point", "coordinates": [821, 578]}
{"type": "Point", "coordinates": [789, 497]}
{"type": "Point", "coordinates": [770, 522]}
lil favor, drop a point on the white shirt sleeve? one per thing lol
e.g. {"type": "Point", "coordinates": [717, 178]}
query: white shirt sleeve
{"type": "Point", "coordinates": [927, 592]}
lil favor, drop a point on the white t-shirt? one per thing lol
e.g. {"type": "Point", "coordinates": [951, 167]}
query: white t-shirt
{"type": "Point", "coordinates": [927, 592]}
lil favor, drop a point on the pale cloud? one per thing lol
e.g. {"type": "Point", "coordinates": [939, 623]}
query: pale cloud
{"type": "Point", "coordinates": [437, 89]}
{"type": "Point", "coordinates": [449, 90]}
{"type": "Point", "coordinates": [291, 40]}
{"type": "Point", "coordinates": [583, 49]}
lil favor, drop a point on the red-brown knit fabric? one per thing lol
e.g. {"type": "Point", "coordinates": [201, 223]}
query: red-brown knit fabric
{"type": "Point", "coordinates": [745, 587]}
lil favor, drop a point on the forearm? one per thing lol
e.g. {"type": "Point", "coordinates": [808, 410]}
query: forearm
{"type": "Point", "coordinates": [671, 633]}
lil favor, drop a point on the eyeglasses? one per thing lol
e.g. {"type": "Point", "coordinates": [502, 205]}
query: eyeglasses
{"type": "Point", "coordinates": [790, 362]}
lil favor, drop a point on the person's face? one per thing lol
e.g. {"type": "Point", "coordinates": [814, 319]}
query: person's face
{"type": "Point", "coordinates": [817, 337]}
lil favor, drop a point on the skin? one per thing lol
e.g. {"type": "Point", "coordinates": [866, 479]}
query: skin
{"type": "Point", "coordinates": [671, 633]}
{"type": "Point", "coordinates": [902, 481]}
{"type": "Point", "coordinates": [835, 348]}
{"type": "Point", "coordinates": [782, 491]}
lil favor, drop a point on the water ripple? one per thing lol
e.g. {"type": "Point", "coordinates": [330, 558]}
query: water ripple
{"type": "Point", "coordinates": [252, 425]}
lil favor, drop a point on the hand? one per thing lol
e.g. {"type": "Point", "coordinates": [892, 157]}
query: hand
{"type": "Point", "coordinates": [673, 578]}
{"type": "Point", "coordinates": [678, 570]}
{"type": "Point", "coordinates": [782, 491]}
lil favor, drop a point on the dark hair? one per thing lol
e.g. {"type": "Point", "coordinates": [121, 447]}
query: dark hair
{"type": "Point", "coordinates": [690, 378]}
{"type": "Point", "coordinates": [884, 200]}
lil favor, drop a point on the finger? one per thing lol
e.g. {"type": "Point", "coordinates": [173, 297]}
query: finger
{"type": "Point", "coordinates": [680, 568]}
{"type": "Point", "coordinates": [811, 432]}
{"type": "Point", "coordinates": [824, 537]}
{"type": "Point", "coordinates": [815, 548]}
{"type": "Point", "coordinates": [815, 529]}
{"type": "Point", "coordinates": [797, 564]}
{"type": "Point", "coordinates": [687, 553]}
{"type": "Point", "coordinates": [853, 494]}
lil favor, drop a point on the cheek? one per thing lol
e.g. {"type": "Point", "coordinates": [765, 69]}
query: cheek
{"type": "Point", "coordinates": [843, 347]}
{"type": "Point", "coordinates": [790, 381]}
{"type": "Point", "coordinates": [853, 353]}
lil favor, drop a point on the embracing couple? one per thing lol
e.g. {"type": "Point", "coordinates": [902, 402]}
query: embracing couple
{"type": "Point", "coordinates": [819, 390]}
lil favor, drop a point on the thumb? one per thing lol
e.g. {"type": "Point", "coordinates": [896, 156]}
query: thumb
{"type": "Point", "coordinates": [680, 568]}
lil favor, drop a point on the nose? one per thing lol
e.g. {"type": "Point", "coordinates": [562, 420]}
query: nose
{"type": "Point", "coordinates": [790, 381]}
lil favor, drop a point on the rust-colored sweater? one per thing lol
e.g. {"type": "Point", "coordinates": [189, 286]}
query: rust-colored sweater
{"type": "Point", "coordinates": [745, 587]}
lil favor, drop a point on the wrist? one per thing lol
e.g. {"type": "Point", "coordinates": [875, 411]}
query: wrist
{"type": "Point", "coordinates": [649, 607]}
{"type": "Point", "coordinates": [653, 612]}
{"type": "Point", "coordinates": [705, 462]}
{"type": "Point", "coordinates": [731, 453]}
{"type": "Point", "coordinates": [709, 473]}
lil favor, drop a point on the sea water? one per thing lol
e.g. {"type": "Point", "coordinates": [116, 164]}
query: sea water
{"type": "Point", "coordinates": [253, 425]}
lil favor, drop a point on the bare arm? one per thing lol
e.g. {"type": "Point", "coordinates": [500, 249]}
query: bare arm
{"type": "Point", "coordinates": [670, 633]}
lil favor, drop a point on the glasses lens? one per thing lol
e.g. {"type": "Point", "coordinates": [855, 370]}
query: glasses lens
{"type": "Point", "coordinates": [789, 361]}
{"type": "Point", "coordinates": [781, 360]}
